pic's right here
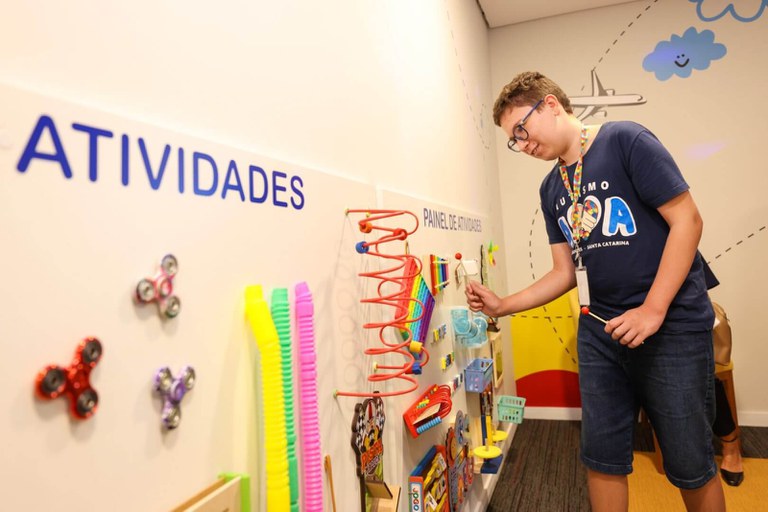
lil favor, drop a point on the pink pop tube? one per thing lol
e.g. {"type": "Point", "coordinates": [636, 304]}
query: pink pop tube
{"type": "Point", "coordinates": [310, 427]}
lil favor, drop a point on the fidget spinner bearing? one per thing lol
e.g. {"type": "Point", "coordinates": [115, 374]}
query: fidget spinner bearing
{"type": "Point", "coordinates": [160, 288]}
{"type": "Point", "coordinates": [73, 382]}
{"type": "Point", "coordinates": [173, 390]}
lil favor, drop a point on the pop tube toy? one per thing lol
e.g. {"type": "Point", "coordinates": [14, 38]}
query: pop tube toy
{"type": "Point", "coordinates": [281, 315]}
{"type": "Point", "coordinates": [278, 485]}
{"type": "Point", "coordinates": [310, 419]}
{"type": "Point", "coordinates": [397, 295]}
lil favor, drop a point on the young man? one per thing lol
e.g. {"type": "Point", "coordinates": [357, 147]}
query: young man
{"type": "Point", "coordinates": [623, 226]}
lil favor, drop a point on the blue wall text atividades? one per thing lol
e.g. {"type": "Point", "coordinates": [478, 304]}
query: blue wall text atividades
{"type": "Point", "coordinates": [248, 183]}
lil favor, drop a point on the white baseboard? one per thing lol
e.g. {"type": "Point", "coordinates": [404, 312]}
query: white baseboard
{"type": "Point", "coordinates": [752, 418]}
{"type": "Point", "coordinates": [552, 413]}
{"type": "Point", "coordinates": [746, 418]}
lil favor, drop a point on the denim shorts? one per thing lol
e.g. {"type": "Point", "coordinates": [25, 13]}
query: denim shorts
{"type": "Point", "coordinates": [671, 376]}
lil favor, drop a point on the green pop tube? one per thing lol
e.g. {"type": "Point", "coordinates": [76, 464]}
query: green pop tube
{"type": "Point", "coordinates": [281, 315]}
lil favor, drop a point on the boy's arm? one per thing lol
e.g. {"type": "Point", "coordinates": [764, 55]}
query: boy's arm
{"type": "Point", "coordinates": [546, 289]}
{"type": "Point", "coordinates": [685, 227]}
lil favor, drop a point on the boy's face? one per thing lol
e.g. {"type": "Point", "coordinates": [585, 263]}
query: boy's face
{"type": "Point", "coordinates": [535, 126]}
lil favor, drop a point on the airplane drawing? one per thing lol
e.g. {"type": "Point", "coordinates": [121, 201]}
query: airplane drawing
{"type": "Point", "coordinates": [601, 98]}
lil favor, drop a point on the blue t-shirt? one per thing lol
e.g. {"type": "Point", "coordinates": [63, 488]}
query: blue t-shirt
{"type": "Point", "coordinates": [627, 174]}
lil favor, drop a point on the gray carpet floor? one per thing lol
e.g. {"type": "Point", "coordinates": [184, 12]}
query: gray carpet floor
{"type": "Point", "coordinates": [542, 471]}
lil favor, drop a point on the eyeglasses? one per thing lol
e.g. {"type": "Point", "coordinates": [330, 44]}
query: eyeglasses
{"type": "Point", "coordinates": [519, 132]}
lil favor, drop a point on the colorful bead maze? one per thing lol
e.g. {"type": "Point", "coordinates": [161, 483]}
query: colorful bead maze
{"type": "Point", "coordinates": [393, 290]}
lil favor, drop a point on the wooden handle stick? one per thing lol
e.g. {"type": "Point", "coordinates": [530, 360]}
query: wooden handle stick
{"type": "Point", "coordinates": [329, 470]}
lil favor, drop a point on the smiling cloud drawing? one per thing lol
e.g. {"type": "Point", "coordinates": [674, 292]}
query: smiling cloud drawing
{"type": "Point", "coordinates": [748, 10]}
{"type": "Point", "coordinates": [681, 55]}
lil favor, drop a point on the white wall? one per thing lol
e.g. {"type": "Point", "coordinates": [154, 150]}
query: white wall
{"type": "Point", "coordinates": [710, 121]}
{"type": "Point", "coordinates": [356, 97]}
{"type": "Point", "coordinates": [329, 84]}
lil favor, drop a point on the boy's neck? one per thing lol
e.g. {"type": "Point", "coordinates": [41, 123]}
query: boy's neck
{"type": "Point", "coordinates": [573, 149]}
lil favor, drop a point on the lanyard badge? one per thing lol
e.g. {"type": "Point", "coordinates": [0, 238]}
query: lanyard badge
{"type": "Point", "coordinates": [577, 231]}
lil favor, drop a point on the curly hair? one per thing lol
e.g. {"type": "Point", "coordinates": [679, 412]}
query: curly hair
{"type": "Point", "coordinates": [526, 89]}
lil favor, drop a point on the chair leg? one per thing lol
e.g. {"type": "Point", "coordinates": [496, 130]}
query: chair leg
{"type": "Point", "coordinates": [727, 378]}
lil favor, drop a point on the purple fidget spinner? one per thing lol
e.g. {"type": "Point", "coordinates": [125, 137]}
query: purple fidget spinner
{"type": "Point", "coordinates": [172, 391]}
{"type": "Point", "coordinates": [160, 288]}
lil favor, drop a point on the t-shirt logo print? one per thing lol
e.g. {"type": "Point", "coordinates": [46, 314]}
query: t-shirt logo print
{"type": "Point", "coordinates": [590, 216]}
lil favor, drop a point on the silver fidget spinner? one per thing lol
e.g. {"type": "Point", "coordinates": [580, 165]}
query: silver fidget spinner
{"type": "Point", "coordinates": [160, 288]}
{"type": "Point", "coordinates": [172, 391]}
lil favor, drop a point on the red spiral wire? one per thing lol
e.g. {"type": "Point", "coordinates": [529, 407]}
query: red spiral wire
{"type": "Point", "coordinates": [401, 274]}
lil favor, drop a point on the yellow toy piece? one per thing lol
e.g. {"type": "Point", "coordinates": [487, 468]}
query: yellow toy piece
{"type": "Point", "coordinates": [489, 451]}
{"type": "Point", "coordinates": [275, 441]}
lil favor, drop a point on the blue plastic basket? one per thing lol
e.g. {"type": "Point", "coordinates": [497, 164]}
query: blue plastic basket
{"type": "Point", "coordinates": [478, 375]}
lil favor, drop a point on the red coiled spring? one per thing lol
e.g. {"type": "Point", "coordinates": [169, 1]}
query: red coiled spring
{"type": "Point", "coordinates": [393, 291]}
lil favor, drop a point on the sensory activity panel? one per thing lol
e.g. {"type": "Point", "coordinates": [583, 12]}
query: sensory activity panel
{"type": "Point", "coordinates": [184, 388]}
{"type": "Point", "coordinates": [145, 246]}
{"type": "Point", "coordinates": [422, 414]}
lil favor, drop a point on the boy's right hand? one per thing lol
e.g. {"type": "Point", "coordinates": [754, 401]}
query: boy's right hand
{"type": "Point", "coordinates": [480, 298]}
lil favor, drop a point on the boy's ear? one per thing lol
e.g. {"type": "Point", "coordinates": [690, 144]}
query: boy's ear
{"type": "Point", "coordinates": [551, 101]}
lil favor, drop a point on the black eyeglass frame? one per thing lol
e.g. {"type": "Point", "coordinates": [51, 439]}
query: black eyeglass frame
{"type": "Point", "coordinates": [519, 127]}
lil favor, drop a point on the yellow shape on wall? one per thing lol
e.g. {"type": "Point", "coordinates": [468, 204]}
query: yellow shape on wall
{"type": "Point", "coordinates": [544, 338]}
{"type": "Point", "coordinates": [544, 351]}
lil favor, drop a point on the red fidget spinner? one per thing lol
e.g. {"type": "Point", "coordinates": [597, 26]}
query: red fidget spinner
{"type": "Point", "coordinates": [160, 288]}
{"type": "Point", "coordinates": [74, 382]}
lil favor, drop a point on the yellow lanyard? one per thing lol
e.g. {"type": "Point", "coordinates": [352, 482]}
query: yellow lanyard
{"type": "Point", "coordinates": [575, 192]}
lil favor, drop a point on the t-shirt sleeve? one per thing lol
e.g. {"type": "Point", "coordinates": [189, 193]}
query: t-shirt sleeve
{"type": "Point", "coordinates": [554, 231]}
{"type": "Point", "coordinates": [653, 171]}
